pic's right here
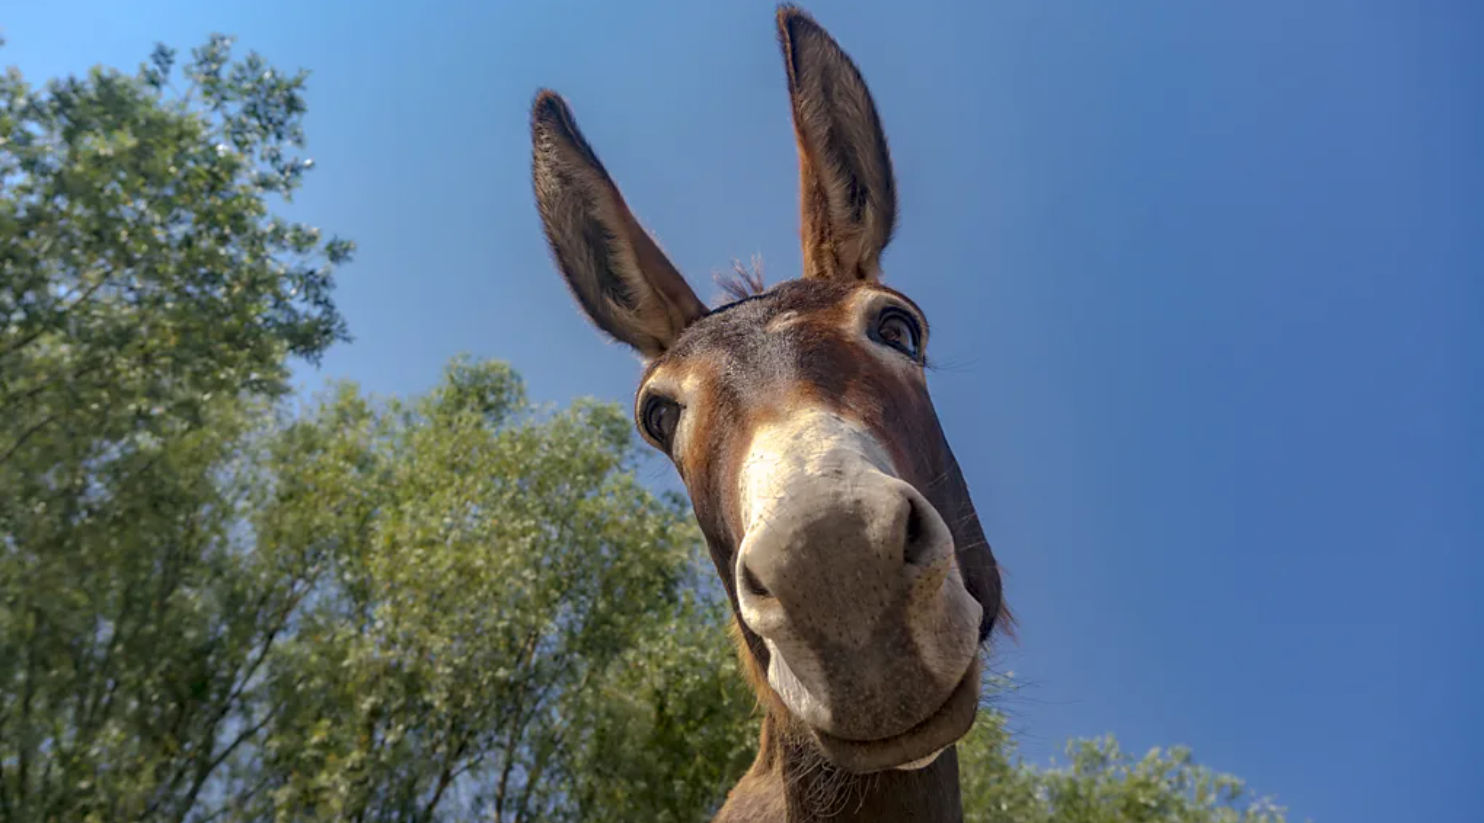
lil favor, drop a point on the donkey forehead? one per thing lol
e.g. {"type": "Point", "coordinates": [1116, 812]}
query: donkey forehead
{"type": "Point", "coordinates": [799, 332]}
{"type": "Point", "coordinates": [797, 349]}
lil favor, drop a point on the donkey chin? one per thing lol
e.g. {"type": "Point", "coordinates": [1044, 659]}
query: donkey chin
{"type": "Point", "coordinates": [849, 576]}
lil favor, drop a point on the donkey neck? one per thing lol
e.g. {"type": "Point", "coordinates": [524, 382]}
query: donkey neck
{"type": "Point", "coordinates": [790, 783]}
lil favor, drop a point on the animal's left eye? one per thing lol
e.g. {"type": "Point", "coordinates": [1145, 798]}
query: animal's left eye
{"type": "Point", "coordinates": [898, 329]}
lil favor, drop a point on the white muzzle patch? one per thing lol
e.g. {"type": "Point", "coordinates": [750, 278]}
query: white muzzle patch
{"type": "Point", "coordinates": [828, 520]}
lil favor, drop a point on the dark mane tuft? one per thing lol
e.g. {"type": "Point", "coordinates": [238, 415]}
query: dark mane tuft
{"type": "Point", "coordinates": [742, 282]}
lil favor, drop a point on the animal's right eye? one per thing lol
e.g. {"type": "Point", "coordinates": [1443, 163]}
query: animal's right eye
{"type": "Point", "coordinates": [660, 417]}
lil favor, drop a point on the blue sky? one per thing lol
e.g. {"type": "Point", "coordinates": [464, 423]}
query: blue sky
{"type": "Point", "coordinates": [1203, 278]}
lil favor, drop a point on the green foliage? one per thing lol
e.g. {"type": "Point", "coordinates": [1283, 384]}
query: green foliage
{"type": "Point", "coordinates": [130, 631]}
{"type": "Point", "coordinates": [673, 727]}
{"type": "Point", "coordinates": [488, 570]}
{"type": "Point", "coordinates": [442, 608]}
{"type": "Point", "coordinates": [148, 299]}
{"type": "Point", "coordinates": [1100, 784]}
{"type": "Point", "coordinates": [142, 271]}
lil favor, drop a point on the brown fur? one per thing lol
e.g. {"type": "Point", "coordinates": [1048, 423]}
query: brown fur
{"type": "Point", "coordinates": [613, 267]}
{"type": "Point", "coordinates": [766, 355]}
{"type": "Point", "coordinates": [848, 197]}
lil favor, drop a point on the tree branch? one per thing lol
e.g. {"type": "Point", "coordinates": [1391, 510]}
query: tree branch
{"type": "Point", "coordinates": [204, 773]}
{"type": "Point", "coordinates": [26, 435]}
{"type": "Point", "coordinates": [445, 778]}
{"type": "Point", "coordinates": [208, 735]}
{"type": "Point", "coordinates": [56, 321]}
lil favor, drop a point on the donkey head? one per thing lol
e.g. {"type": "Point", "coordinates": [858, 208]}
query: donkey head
{"type": "Point", "coordinates": [800, 421]}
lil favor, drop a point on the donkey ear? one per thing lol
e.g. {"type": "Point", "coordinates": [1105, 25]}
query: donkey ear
{"type": "Point", "coordinates": [619, 276]}
{"type": "Point", "coordinates": [848, 194]}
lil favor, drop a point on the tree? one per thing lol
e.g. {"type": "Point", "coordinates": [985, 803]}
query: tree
{"type": "Point", "coordinates": [1100, 784]}
{"type": "Point", "coordinates": [148, 300]}
{"type": "Point", "coordinates": [143, 271]}
{"type": "Point", "coordinates": [671, 730]}
{"type": "Point", "coordinates": [489, 570]}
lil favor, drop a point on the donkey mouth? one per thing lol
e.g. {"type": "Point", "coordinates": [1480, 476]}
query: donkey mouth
{"type": "Point", "coordinates": [918, 746]}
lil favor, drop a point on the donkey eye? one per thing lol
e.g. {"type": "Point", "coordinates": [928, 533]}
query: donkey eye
{"type": "Point", "coordinates": [660, 417]}
{"type": "Point", "coordinates": [899, 330]}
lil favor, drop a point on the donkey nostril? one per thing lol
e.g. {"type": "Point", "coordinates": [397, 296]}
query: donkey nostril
{"type": "Point", "coordinates": [752, 585]}
{"type": "Point", "coordinates": [915, 544]}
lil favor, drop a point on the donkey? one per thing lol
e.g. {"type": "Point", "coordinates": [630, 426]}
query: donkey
{"type": "Point", "coordinates": [799, 419]}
